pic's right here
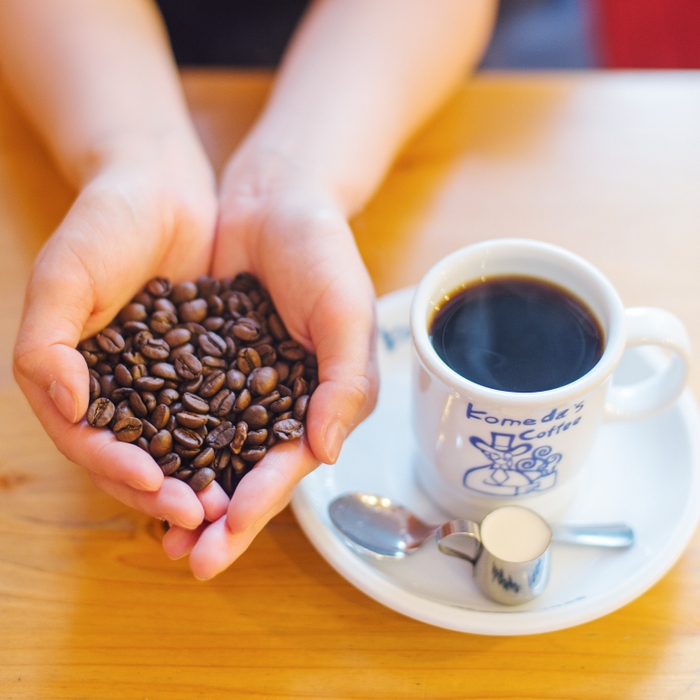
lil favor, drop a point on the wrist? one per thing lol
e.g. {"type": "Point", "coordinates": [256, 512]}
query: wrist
{"type": "Point", "coordinates": [164, 154]}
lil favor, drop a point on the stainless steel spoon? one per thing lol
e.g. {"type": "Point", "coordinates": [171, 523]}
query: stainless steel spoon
{"type": "Point", "coordinates": [377, 526]}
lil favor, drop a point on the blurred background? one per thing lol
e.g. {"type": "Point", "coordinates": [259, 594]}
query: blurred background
{"type": "Point", "coordinates": [529, 34]}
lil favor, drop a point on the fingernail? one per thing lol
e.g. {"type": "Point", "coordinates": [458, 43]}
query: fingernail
{"type": "Point", "coordinates": [333, 440]}
{"type": "Point", "coordinates": [138, 485]}
{"type": "Point", "coordinates": [64, 400]}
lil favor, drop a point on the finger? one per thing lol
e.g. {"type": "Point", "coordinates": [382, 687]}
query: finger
{"type": "Point", "coordinates": [57, 306]}
{"type": "Point", "coordinates": [214, 501]}
{"type": "Point", "coordinates": [343, 332]}
{"type": "Point", "coordinates": [261, 494]}
{"type": "Point", "coordinates": [95, 448]}
{"type": "Point", "coordinates": [174, 501]}
{"type": "Point", "coordinates": [178, 542]}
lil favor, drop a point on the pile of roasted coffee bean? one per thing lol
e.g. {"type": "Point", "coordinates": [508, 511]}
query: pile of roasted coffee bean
{"type": "Point", "coordinates": [203, 376]}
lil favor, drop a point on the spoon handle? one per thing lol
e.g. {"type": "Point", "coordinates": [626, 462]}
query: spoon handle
{"type": "Point", "coordinates": [612, 535]}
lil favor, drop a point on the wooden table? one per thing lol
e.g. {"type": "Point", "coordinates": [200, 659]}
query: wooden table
{"type": "Point", "coordinates": [605, 164]}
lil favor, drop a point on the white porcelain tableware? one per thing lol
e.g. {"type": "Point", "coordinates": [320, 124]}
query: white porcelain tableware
{"type": "Point", "coordinates": [625, 483]}
{"type": "Point", "coordinates": [483, 448]}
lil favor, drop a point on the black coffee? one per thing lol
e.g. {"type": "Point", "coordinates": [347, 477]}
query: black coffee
{"type": "Point", "coordinates": [517, 334]}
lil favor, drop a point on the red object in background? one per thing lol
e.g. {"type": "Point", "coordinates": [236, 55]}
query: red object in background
{"type": "Point", "coordinates": [649, 33]}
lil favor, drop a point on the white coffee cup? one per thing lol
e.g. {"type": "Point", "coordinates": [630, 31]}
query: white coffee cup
{"type": "Point", "coordinates": [483, 448]}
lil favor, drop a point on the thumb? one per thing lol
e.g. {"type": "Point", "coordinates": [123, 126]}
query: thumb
{"type": "Point", "coordinates": [58, 303]}
{"type": "Point", "coordinates": [343, 333]}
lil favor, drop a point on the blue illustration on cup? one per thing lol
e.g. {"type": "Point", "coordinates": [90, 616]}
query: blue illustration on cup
{"type": "Point", "coordinates": [504, 476]}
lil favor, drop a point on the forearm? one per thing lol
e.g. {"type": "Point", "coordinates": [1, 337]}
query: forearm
{"type": "Point", "coordinates": [96, 78]}
{"type": "Point", "coordinates": [358, 79]}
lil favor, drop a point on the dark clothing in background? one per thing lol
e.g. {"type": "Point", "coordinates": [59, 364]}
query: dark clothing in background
{"type": "Point", "coordinates": [529, 34]}
{"type": "Point", "coordinates": [245, 33]}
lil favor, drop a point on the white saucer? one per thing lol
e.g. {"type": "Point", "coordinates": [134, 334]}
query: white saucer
{"type": "Point", "coordinates": [645, 473]}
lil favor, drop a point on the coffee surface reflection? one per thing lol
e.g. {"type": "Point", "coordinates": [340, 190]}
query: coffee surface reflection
{"type": "Point", "coordinates": [516, 333]}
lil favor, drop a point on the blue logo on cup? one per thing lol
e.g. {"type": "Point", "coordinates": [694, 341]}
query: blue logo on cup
{"type": "Point", "coordinates": [504, 476]}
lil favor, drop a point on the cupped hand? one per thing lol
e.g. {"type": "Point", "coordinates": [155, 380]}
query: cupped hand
{"type": "Point", "coordinates": [290, 233]}
{"type": "Point", "coordinates": [134, 220]}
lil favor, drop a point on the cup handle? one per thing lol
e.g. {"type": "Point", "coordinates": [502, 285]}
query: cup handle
{"type": "Point", "coordinates": [458, 530]}
{"type": "Point", "coordinates": [648, 326]}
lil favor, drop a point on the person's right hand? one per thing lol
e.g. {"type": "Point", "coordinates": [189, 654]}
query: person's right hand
{"type": "Point", "coordinates": [136, 219]}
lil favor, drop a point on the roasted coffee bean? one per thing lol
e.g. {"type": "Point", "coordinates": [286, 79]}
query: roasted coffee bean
{"type": "Point", "coordinates": [300, 387]}
{"type": "Point", "coordinates": [148, 384]}
{"type": "Point", "coordinates": [170, 463]}
{"type": "Point", "coordinates": [186, 349]}
{"type": "Point", "coordinates": [253, 454]}
{"type": "Point", "coordinates": [256, 417]}
{"type": "Point", "coordinates": [201, 479]}
{"type": "Point", "coordinates": [212, 384]}
{"type": "Point", "coordinates": [177, 337]}
{"type": "Point", "coordinates": [164, 370]}
{"type": "Point", "coordinates": [186, 454]}
{"type": "Point", "coordinates": [267, 353]}
{"type": "Point", "coordinates": [282, 370]}
{"type": "Point", "coordinates": [95, 389]}
{"type": "Point", "coordinates": [164, 305]}
{"type": "Point", "coordinates": [162, 321]}
{"type": "Point", "coordinates": [133, 312]}
{"type": "Point", "coordinates": [100, 413]}
{"type": "Point", "coordinates": [289, 429]}
{"type": "Point", "coordinates": [123, 375]}
{"type": "Point", "coordinates": [235, 379]}
{"type": "Point", "coordinates": [192, 387]}
{"type": "Point", "coordinates": [110, 341]}
{"type": "Point", "coordinates": [149, 430]}
{"type": "Point", "coordinates": [212, 344]}
{"type": "Point", "coordinates": [291, 350]}
{"type": "Point", "coordinates": [247, 329]}
{"type": "Point", "coordinates": [257, 437]}
{"type": "Point", "coordinates": [168, 396]}
{"type": "Point", "coordinates": [137, 405]}
{"type": "Point", "coordinates": [195, 310]}
{"type": "Point", "coordinates": [247, 360]}
{"type": "Point", "coordinates": [263, 380]}
{"type": "Point", "coordinates": [281, 405]}
{"type": "Point", "coordinates": [183, 291]}
{"type": "Point", "coordinates": [243, 400]}
{"type": "Point", "coordinates": [214, 362]}
{"type": "Point", "coordinates": [191, 420]}
{"type": "Point", "coordinates": [221, 461]}
{"type": "Point", "coordinates": [213, 323]}
{"type": "Point", "coordinates": [123, 410]}
{"type": "Point", "coordinates": [221, 436]}
{"type": "Point", "coordinates": [160, 416]}
{"type": "Point", "coordinates": [188, 366]}
{"type": "Point", "coordinates": [155, 349]}
{"type": "Point", "coordinates": [240, 437]}
{"type": "Point", "coordinates": [134, 327]}
{"type": "Point", "coordinates": [159, 287]}
{"type": "Point", "coordinates": [188, 438]}
{"type": "Point", "coordinates": [267, 399]}
{"type": "Point", "coordinates": [300, 406]}
{"type": "Point", "coordinates": [149, 400]}
{"type": "Point", "coordinates": [223, 402]}
{"type": "Point", "coordinates": [194, 403]}
{"type": "Point", "coordinates": [128, 429]}
{"type": "Point", "coordinates": [202, 376]}
{"type": "Point", "coordinates": [161, 444]}
{"type": "Point", "coordinates": [204, 458]}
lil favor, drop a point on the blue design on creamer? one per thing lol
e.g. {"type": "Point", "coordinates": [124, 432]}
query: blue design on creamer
{"type": "Point", "coordinates": [503, 476]}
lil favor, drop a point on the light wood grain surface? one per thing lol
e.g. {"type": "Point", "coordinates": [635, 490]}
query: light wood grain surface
{"type": "Point", "coordinates": [605, 164]}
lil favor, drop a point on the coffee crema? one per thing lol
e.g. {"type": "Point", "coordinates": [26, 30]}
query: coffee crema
{"type": "Point", "coordinates": [517, 333]}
